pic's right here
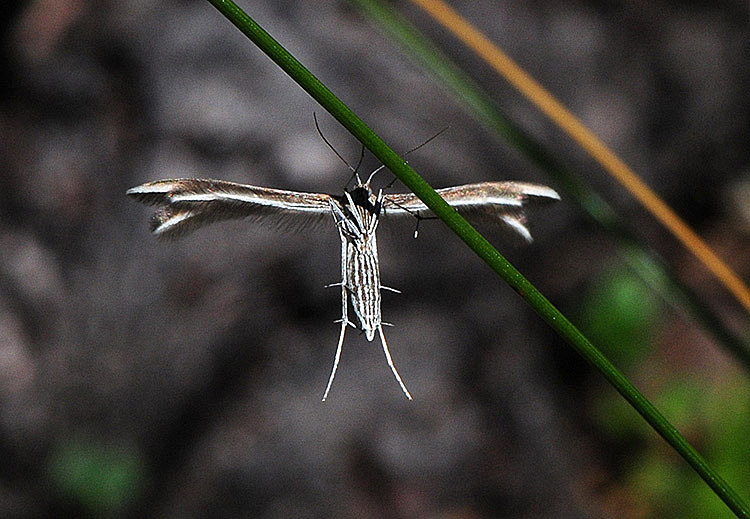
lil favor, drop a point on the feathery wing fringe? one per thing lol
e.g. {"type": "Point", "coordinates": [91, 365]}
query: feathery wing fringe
{"type": "Point", "coordinates": [491, 202]}
{"type": "Point", "coordinates": [186, 204]}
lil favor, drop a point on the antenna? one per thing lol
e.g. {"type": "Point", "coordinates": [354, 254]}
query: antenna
{"type": "Point", "coordinates": [361, 154]}
{"type": "Point", "coordinates": [415, 148]}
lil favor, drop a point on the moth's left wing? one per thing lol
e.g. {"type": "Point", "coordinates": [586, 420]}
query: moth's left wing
{"type": "Point", "coordinates": [494, 202]}
{"type": "Point", "coordinates": [184, 204]}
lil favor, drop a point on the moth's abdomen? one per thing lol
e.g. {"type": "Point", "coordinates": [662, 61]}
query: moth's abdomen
{"type": "Point", "coordinates": [363, 282]}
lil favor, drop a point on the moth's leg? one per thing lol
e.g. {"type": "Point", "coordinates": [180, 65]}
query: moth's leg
{"type": "Point", "coordinates": [336, 359]}
{"type": "Point", "coordinates": [390, 363]}
{"type": "Point", "coordinates": [343, 285]}
{"type": "Point", "coordinates": [344, 318]}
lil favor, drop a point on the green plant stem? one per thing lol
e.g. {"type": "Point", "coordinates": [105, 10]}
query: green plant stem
{"type": "Point", "coordinates": [478, 244]}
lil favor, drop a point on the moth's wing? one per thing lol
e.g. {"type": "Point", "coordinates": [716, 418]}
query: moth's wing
{"type": "Point", "coordinates": [493, 202]}
{"type": "Point", "coordinates": [185, 204]}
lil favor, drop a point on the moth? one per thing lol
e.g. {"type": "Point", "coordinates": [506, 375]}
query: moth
{"type": "Point", "coordinates": [185, 204]}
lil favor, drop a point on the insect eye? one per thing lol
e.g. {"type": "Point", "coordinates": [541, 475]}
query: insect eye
{"type": "Point", "coordinates": [359, 195]}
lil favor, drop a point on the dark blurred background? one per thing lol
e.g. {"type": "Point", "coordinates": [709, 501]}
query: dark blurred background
{"type": "Point", "coordinates": [183, 379]}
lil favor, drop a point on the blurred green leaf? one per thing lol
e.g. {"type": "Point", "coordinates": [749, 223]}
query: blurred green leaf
{"type": "Point", "coordinates": [102, 479]}
{"type": "Point", "coordinates": [619, 314]}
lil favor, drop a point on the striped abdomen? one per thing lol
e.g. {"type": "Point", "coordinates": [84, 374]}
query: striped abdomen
{"type": "Point", "coordinates": [363, 281]}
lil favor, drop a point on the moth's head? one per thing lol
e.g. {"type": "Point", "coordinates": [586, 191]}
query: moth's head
{"type": "Point", "coordinates": [363, 197]}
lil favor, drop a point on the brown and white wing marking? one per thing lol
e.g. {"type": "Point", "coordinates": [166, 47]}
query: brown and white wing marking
{"type": "Point", "coordinates": [494, 202]}
{"type": "Point", "coordinates": [184, 204]}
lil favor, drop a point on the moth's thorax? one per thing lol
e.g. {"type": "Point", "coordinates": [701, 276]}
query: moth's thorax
{"type": "Point", "coordinates": [357, 212]}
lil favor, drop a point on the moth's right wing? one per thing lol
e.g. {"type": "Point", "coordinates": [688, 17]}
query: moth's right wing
{"type": "Point", "coordinates": [501, 203]}
{"type": "Point", "coordinates": [184, 204]}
